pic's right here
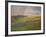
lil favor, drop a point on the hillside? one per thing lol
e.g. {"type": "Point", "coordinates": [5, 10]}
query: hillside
{"type": "Point", "coordinates": [22, 23]}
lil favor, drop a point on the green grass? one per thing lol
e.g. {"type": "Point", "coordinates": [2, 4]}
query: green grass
{"type": "Point", "coordinates": [35, 23]}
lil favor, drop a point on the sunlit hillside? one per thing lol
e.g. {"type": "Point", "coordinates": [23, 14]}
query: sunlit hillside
{"type": "Point", "coordinates": [26, 23]}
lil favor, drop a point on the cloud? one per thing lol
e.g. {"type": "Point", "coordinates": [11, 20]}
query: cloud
{"type": "Point", "coordinates": [25, 10]}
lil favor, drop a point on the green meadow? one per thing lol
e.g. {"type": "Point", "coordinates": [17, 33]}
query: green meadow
{"type": "Point", "coordinates": [25, 23]}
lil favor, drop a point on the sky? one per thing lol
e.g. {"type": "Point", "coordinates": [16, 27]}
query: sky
{"type": "Point", "coordinates": [25, 10]}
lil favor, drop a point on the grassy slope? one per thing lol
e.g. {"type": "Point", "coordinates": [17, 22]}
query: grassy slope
{"type": "Point", "coordinates": [35, 20]}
